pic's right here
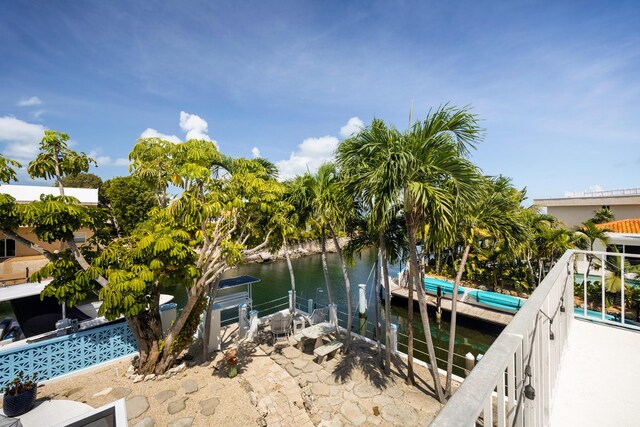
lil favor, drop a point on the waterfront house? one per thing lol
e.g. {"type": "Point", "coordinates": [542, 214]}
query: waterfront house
{"type": "Point", "coordinates": [575, 208]}
{"type": "Point", "coordinates": [18, 261]}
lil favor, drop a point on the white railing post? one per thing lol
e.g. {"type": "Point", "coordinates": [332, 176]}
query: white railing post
{"type": "Point", "coordinates": [253, 325]}
{"type": "Point", "coordinates": [393, 338]}
{"type": "Point", "coordinates": [621, 288]}
{"type": "Point", "coordinates": [214, 331]}
{"type": "Point", "coordinates": [292, 301]}
{"type": "Point", "coordinates": [243, 326]}
{"type": "Point", "coordinates": [362, 300]}
{"type": "Point", "coordinates": [310, 306]}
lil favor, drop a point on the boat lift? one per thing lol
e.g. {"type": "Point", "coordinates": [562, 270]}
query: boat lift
{"type": "Point", "coordinates": [241, 299]}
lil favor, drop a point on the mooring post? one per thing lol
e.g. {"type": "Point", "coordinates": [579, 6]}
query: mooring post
{"type": "Point", "coordinates": [362, 300]}
{"type": "Point", "coordinates": [393, 338]}
{"type": "Point", "coordinates": [469, 363]}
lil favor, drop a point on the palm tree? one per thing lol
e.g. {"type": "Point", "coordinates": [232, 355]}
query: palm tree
{"type": "Point", "coordinates": [415, 170]}
{"type": "Point", "coordinates": [602, 215]}
{"type": "Point", "coordinates": [586, 236]}
{"type": "Point", "coordinates": [493, 214]}
{"type": "Point", "coordinates": [329, 208]}
{"type": "Point", "coordinates": [370, 160]}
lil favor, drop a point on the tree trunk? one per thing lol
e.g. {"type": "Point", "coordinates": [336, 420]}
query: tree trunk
{"type": "Point", "coordinates": [347, 286]}
{"type": "Point", "coordinates": [454, 316]}
{"type": "Point", "coordinates": [424, 315]}
{"type": "Point", "coordinates": [413, 270]}
{"type": "Point", "coordinates": [387, 303]}
{"type": "Point", "coordinates": [147, 330]}
{"type": "Point", "coordinates": [376, 304]}
{"type": "Point", "coordinates": [290, 267]}
{"type": "Point", "coordinates": [325, 271]}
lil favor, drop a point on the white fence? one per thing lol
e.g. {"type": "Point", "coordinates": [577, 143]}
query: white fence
{"type": "Point", "coordinates": [514, 382]}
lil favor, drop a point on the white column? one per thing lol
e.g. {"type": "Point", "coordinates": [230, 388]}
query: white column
{"type": "Point", "coordinates": [310, 306]}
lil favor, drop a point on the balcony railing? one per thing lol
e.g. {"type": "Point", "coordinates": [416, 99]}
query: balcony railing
{"type": "Point", "coordinates": [515, 382]}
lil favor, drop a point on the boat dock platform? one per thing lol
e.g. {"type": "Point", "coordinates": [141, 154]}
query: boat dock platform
{"type": "Point", "coordinates": [464, 309]}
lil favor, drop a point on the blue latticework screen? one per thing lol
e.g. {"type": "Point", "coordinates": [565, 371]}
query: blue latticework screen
{"type": "Point", "coordinates": [61, 355]}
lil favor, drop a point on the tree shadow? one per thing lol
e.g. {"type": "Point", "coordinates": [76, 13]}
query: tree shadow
{"type": "Point", "coordinates": [425, 385]}
{"type": "Point", "coordinates": [363, 357]}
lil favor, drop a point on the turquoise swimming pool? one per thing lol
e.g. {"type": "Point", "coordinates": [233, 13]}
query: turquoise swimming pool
{"type": "Point", "coordinates": [593, 314]}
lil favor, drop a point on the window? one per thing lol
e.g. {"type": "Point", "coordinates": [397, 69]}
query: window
{"type": "Point", "coordinates": [79, 237]}
{"type": "Point", "coordinates": [7, 248]}
{"type": "Point", "coordinates": [606, 207]}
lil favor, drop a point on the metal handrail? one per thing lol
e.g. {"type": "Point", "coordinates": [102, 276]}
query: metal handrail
{"type": "Point", "coordinates": [474, 396]}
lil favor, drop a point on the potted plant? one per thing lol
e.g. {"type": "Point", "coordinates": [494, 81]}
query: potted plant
{"type": "Point", "coordinates": [232, 361]}
{"type": "Point", "coordinates": [20, 395]}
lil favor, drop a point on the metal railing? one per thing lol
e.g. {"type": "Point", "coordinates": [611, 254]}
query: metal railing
{"type": "Point", "coordinates": [605, 193]}
{"type": "Point", "coordinates": [609, 287]}
{"type": "Point", "coordinates": [514, 382]}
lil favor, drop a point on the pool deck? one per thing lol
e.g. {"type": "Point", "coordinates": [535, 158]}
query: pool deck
{"type": "Point", "coordinates": [464, 309]}
{"type": "Point", "coordinates": [597, 385]}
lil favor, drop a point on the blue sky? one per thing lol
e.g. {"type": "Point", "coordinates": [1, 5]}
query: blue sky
{"type": "Point", "coordinates": [556, 84]}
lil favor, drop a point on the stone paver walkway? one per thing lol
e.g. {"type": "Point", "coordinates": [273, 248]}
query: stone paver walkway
{"type": "Point", "coordinates": [276, 387]}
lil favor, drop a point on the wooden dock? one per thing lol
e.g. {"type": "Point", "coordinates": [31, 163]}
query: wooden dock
{"type": "Point", "coordinates": [464, 309]}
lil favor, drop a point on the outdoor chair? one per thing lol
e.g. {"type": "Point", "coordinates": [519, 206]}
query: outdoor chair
{"type": "Point", "coordinates": [280, 325]}
{"type": "Point", "coordinates": [318, 315]}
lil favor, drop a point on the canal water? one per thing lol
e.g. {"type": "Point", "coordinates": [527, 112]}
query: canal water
{"type": "Point", "coordinates": [472, 335]}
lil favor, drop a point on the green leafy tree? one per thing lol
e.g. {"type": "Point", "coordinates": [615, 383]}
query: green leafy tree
{"type": "Point", "coordinates": [128, 200]}
{"type": "Point", "coordinates": [220, 214]}
{"type": "Point", "coordinates": [82, 180]}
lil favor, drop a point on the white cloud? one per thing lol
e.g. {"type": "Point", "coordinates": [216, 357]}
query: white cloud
{"type": "Point", "coordinates": [354, 125]}
{"type": "Point", "coordinates": [106, 160]}
{"type": "Point", "coordinates": [310, 155]}
{"type": "Point", "coordinates": [29, 102]}
{"type": "Point", "coordinates": [22, 138]}
{"type": "Point", "coordinates": [315, 151]}
{"type": "Point", "coordinates": [37, 114]}
{"type": "Point", "coordinates": [152, 133]}
{"type": "Point", "coordinates": [255, 152]}
{"type": "Point", "coordinates": [193, 125]}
